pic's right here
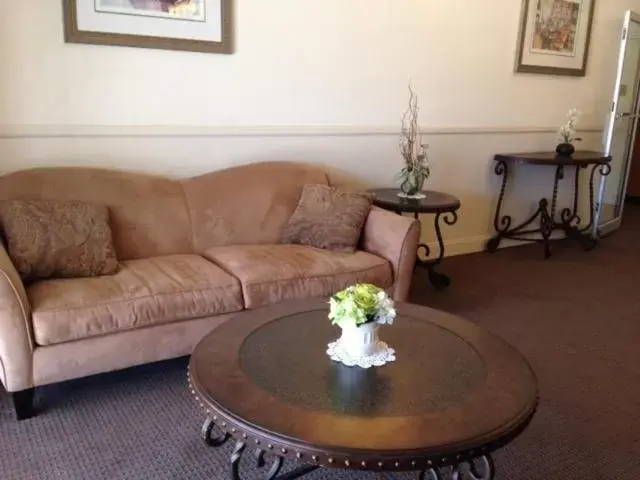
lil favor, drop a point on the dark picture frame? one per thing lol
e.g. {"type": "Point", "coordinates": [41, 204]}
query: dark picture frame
{"type": "Point", "coordinates": [72, 34]}
{"type": "Point", "coordinates": [581, 36]}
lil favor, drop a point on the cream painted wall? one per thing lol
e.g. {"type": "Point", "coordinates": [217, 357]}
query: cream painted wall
{"type": "Point", "coordinates": [322, 81]}
{"type": "Point", "coordinates": [310, 62]}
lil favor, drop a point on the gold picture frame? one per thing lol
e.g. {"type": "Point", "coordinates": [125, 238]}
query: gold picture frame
{"type": "Point", "coordinates": [554, 37]}
{"type": "Point", "coordinates": [73, 33]}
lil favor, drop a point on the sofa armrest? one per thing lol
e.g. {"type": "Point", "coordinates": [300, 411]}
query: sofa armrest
{"type": "Point", "coordinates": [395, 238]}
{"type": "Point", "coordinates": [16, 343]}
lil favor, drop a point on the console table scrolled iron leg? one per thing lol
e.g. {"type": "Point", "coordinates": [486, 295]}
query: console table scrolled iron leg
{"type": "Point", "coordinates": [440, 281]}
{"type": "Point", "coordinates": [545, 214]}
{"type": "Point", "coordinates": [604, 170]}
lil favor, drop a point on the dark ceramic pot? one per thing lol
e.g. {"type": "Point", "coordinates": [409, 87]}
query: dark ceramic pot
{"type": "Point", "coordinates": [565, 149]}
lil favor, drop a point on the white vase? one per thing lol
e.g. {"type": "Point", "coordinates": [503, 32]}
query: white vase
{"type": "Point", "coordinates": [359, 341]}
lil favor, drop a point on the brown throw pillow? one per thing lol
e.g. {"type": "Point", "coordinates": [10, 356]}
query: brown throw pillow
{"type": "Point", "coordinates": [328, 218]}
{"type": "Point", "coordinates": [55, 239]}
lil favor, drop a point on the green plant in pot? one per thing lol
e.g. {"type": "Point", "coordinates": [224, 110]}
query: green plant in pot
{"type": "Point", "coordinates": [416, 164]}
{"type": "Point", "coordinates": [567, 135]}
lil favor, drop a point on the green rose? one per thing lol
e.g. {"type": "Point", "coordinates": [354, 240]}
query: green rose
{"type": "Point", "coordinates": [360, 304]}
{"type": "Point", "coordinates": [365, 297]}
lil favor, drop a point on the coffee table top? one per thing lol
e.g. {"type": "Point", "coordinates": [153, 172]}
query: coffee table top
{"type": "Point", "coordinates": [455, 390]}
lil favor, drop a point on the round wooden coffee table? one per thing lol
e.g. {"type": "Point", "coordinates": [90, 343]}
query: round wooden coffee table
{"type": "Point", "coordinates": [455, 394]}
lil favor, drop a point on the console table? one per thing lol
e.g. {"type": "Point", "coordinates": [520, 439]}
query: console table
{"type": "Point", "coordinates": [569, 221]}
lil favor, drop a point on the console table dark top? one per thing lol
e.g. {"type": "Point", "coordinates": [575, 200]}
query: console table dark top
{"type": "Point", "coordinates": [434, 202]}
{"type": "Point", "coordinates": [579, 158]}
{"type": "Point", "coordinates": [456, 390]}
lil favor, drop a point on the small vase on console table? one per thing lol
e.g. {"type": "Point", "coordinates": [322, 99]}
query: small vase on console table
{"type": "Point", "coordinates": [565, 149]}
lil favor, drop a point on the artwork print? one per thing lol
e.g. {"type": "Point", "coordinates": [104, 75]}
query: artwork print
{"type": "Point", "coordinates": [556, 26]}
{"type": "Point", "coordinates": [205, 26]}
{"type": "Point", "coordinates": [171, 9]}
{"type": "Point", "coordinates": [554, 37]}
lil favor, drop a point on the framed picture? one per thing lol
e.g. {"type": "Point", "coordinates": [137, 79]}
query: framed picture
{"type": "Point", "coordinates": [555, 37]}
{"type": "Point", "coordinates": [191, 25]}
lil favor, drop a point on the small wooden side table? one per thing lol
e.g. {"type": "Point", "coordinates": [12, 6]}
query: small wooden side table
{"type": "Point", "coordinates": [443, 205]}
{"type": "Point", "coordinates": [569, 222]}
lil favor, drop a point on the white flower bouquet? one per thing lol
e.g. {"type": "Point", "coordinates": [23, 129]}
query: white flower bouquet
{"type": "Point", "coordinates": [361, 304]}
{"type": "Point", "coordinates": [567, 131]}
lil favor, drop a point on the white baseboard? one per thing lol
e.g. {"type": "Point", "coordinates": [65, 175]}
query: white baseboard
{"type": "Point", "coordinates": [464, 246]}
{"type": "Point", "coordinates": [461, 246]}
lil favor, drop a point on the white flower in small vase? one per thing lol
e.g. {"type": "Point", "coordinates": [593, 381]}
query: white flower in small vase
{"type": "Point", "coordinates": [567, 134]}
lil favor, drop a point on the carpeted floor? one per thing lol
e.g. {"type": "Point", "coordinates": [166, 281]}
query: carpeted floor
{"type": "Point", "coordinates": [576, 317]}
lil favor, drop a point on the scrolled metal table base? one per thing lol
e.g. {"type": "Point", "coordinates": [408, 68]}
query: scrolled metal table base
{"type": "Point", "coordinates": [569, 221]}
{"type": "Point", "coordinates": [207, 431]}
{"type": "Point", "coordinates": [274, 467]}
{"type": "Point", "coordinates": [270, 467]}
{"type": "Point", "coordinates": [440, 281]}
{"type": "Point", "coordinates": [463, 471]}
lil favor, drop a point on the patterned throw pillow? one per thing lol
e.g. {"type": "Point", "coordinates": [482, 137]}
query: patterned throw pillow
{"type": "Point", "coordinates": [328, 218]}
{"type": "Point", "coordinates": [55, 239]}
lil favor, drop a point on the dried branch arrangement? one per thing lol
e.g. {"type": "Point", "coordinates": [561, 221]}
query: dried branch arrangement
{"type": "Point", "coordinates": [416, 164]}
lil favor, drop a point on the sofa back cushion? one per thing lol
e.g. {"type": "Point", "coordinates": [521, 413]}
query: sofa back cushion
{"type": "Point", "coordinates": [148, 215]}
{"type": "Point", "coordinates": [250, 204]}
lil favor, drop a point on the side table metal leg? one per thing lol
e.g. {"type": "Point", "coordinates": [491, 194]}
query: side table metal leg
{"type": "Point", "coordinates": [439, 280]}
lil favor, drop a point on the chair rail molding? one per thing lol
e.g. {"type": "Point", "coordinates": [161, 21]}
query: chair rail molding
{"type": "Point", "coordinates": [8, 131]}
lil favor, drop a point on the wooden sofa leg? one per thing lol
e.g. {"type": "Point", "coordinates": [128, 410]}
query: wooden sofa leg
{"type": "Point", "coordinates": [23, 403]}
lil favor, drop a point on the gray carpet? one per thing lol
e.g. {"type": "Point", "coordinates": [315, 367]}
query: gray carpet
{"type": "Point", "coordinates": [576, 317]}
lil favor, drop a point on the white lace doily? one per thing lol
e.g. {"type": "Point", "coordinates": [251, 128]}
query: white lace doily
{"type": "Point", "coordinates": [417, 196]}
{"type": "Point", "coordinates": [382, 355]}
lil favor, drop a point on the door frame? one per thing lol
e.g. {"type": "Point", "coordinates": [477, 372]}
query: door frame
{"type": "Point", "coordinates": [614, 115]}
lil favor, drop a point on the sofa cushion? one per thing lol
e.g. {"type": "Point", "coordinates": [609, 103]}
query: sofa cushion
{"type": "Point", "coordinates": [246, 205]}
{"type": "Point", "coordinates": [272, 273]}
{"type": "Point", "coordinates": [58, 239]}
{"type": "Point", "coordinates": [144, 292]}
{"type": "Point", "coordinates": [328, 218]}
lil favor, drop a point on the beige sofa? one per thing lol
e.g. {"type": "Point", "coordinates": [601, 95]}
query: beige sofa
{"type": "Point", "coordinates": [193, 253]}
